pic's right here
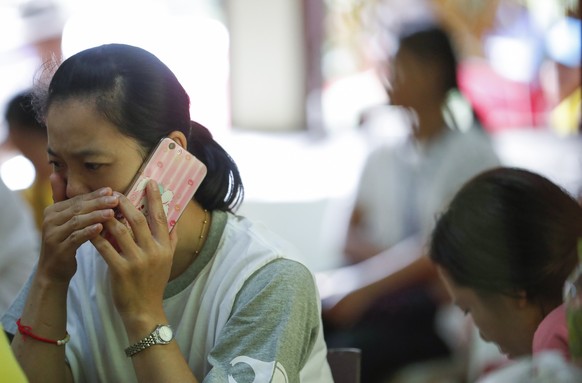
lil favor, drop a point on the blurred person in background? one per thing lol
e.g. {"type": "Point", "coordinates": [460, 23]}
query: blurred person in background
{"type": "Point", "coordinates": [498, 223]}
{"type": "Point", "coordinates": [29, 136]}
{"type": "Point", "coordinates": [19, 245]}
{"type": "Point", "coordinates": [383, 301]}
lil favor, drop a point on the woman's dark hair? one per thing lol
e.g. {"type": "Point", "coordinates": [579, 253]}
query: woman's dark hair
{"type": "Point", "coordinates": [430, 43]}
{"type": "Point", "coordinates": [140, 95]}
{"type": "Point", "coordinates": [509, 230]}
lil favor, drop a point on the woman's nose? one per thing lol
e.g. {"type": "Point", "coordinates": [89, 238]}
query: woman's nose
{"type": "Point", "coordinates": [75, 186]}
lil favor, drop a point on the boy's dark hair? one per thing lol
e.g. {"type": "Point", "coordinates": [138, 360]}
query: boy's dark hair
{"type": "Point", "coordinates": [20, 114]}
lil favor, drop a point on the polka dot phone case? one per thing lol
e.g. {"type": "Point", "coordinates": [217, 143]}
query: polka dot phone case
{"type": "Point", "coordinates": [178, 174]}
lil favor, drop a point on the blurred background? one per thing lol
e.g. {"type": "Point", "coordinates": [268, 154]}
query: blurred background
{"type": "Point", "coordinates": [292, 88]}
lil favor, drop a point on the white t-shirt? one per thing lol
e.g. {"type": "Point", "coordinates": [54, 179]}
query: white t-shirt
{"type": "Point", "coordinates": [243, 311]}
{"type": "Point", "coordinates": [405, 185]}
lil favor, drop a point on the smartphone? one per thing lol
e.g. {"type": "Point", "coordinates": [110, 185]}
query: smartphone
{"type": "Point", "coordinates": [178, 174]}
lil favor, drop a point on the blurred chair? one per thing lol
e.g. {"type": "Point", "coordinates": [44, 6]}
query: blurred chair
{"type": "Point", "coordinates": [345, 364]}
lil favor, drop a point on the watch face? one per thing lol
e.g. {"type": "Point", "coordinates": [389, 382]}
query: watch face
{"type": "Point", "coordinates": [165, 333]}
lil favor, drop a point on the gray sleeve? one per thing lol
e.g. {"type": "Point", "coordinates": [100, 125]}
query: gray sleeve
{"type": "Point", "coordinates": [272, 329]}
{"type": "Point", "coordinates": [19, 245]}
{"type": "Point", "coordinates": [14, 312]}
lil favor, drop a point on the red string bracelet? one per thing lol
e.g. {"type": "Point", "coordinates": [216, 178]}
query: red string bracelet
{"type": "Point", "coordinates": [27, 331]}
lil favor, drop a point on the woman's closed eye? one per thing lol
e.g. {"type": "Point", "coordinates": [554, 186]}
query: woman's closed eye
{"type": "Point", "coordinates": [56, 165]}
{"type": "Point", "coordinates": [93, 166]}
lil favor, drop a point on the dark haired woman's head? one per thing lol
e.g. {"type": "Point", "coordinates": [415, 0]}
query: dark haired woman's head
{"type": "Point", "coordinates": [508, 231]}
{"type": "Point", "coordinates": [136, 92]}
{"type": "Point", "coordinates": [507, 242]}
{"type": "Point", "coordinates": [425, 66]}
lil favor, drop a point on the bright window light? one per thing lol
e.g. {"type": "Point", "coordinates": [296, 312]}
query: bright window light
{"type": "Point", "coordinates": [194, 46]}
{"type": "Point", "coordinates": [563, 42]}
{"type": "Point", "coordinates": [17, 173]}
{"type": "Point", "coordinates": [514, 58]}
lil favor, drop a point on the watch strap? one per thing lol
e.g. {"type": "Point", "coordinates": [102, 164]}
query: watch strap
{"type": "Point", "coordinates": [150, 340]}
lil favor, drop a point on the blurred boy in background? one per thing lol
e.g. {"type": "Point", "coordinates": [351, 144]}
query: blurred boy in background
{"type": "Point", "coordinates": [29, 136]}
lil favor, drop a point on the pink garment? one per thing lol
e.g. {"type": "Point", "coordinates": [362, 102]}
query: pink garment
{"type": "Point", "coordinates": [516, 104]}
{"type": "Point", "coordinates": [552, 333]}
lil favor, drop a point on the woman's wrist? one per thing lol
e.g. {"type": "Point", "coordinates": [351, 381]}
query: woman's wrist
{"type": "Point", "coordinates": [45, 314]}
{"type": "Point", "coordinates": [27, 331]}
{"type": "Point", "coordinates": [48, 283]}
{"type": "Point", "coordinates": [139, 325]}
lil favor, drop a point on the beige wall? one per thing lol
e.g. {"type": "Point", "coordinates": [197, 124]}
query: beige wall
{"type": "Point", "coordinates": [267, 64]}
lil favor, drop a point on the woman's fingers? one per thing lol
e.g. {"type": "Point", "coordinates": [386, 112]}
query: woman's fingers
{"type": "Point", "coordinates": [70, 222]}
{"type": "Point", "coordinates": [80, 236]}
{"type": "Point", "coordinates": [157, 219]}
{"type": "Point", "coordinates": [80, 221]}
{"type": "Point", "coordinates": [108, 247]}
{"type": "Point", "coordinates": [119, 232]}
{"type": "Point", "coordinates": [139, 253]}
{"type": "Point", "coordinates": [84, 209]}
{"type": "Point", "coordinates": [155, 225]}
{"type": "Point", "coordinates": [137, 235]}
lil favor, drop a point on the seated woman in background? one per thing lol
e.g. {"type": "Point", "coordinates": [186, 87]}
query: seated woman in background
{"type": "Point", "coordinates": [504, 248]}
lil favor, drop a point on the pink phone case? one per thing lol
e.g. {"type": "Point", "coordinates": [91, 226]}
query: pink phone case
{"type": "Point", "coordinates": [178, 174]}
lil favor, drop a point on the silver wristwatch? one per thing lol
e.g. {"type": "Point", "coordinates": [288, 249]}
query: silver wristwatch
{"type": "Point", "coordinates": [162, 334]}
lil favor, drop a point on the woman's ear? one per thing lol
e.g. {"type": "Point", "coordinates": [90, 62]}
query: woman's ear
{"type": "Point", "coordinates": [179, 138]}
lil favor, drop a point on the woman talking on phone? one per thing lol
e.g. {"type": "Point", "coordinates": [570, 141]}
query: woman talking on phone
{"type": "Point", "coordinates": [216, 300]}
